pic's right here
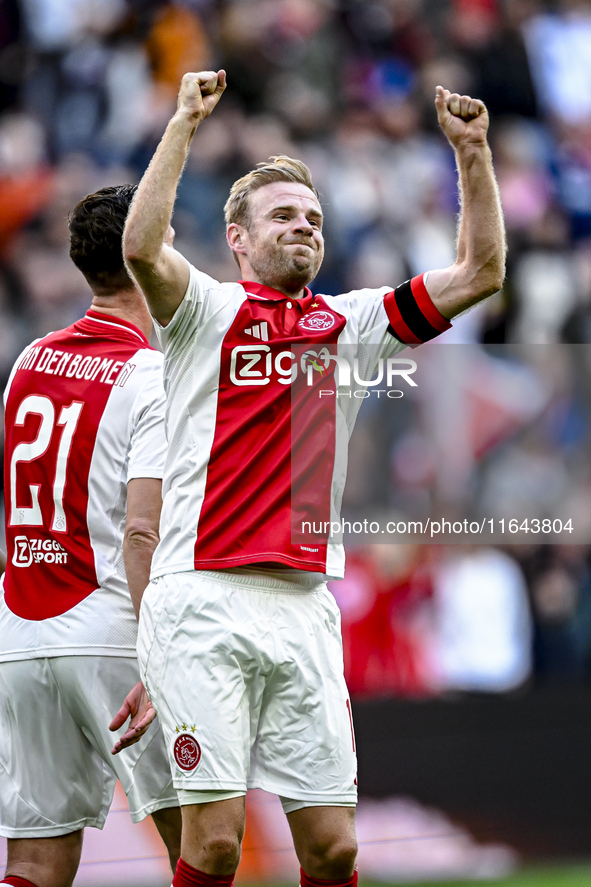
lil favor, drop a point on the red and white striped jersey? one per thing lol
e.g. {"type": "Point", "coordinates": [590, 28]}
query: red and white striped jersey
{"type": "Point", "coordinates": [253, 453]}
{"type": "Point", "coordinates": [84, 414]}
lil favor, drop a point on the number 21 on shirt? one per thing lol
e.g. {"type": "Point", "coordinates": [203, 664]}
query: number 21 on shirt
{"type": "Point", "coordinates": [29, 451]}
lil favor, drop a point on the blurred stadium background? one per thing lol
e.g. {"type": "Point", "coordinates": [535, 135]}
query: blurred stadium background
{"type": "Point", "coordinates": [470, 667]}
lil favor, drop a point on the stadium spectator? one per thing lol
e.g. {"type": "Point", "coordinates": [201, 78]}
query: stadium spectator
{"type": "Point", "coordinates": [386, 618]}
{"type": "Point", "coordinates": [483, 621]}
{"type": "Point", "coordinates": [560, 587]}
{"type": "Point", "coordinates": [84, 452]}
{"type": "Point", "coordinates": [244, 649]}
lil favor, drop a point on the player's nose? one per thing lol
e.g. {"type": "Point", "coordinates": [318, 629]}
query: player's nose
{"type": "Point", "coordinates": [302, 225]}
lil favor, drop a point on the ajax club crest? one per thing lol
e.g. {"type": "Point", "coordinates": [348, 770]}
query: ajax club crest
{"type": "Point", "coordinates": [317, 322]}
{"type": "Point", "coordinates": [187, 751]}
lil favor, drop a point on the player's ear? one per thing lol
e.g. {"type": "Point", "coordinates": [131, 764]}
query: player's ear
{"type": "Point", "coordinates": [236, 235]}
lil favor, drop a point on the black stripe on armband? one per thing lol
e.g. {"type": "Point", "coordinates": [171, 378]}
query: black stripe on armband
{"type": "Point", "coordinates": [412, 314]}
{"type": "Point", "coordinates": [392, 333]}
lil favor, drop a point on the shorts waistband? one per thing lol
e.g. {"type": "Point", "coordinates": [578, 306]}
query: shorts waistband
{"type": "Point", "coordinates": [302, 585]}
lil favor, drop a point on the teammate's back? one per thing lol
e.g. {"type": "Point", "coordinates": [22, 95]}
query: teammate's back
{"type": "Point", "coordinates": [78, 406]}
{"type": "Point", "coordinates": [84, 453]}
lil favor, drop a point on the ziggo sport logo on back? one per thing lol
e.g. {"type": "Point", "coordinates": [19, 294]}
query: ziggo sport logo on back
{"type": "Point", "coordinates": [256, 365]}
{"type": "Point", "coordinates": [28, 551]}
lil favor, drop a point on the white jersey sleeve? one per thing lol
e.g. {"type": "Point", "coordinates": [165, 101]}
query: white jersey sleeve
{"type": "Point", "coordinates": [203, 298]}
{"type": "Point", "coordinates": [147, 449]}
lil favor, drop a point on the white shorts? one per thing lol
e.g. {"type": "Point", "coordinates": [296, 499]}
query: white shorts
{"type": "Point", "coordinates": [57, 774]}
{"type": "Point", "coordinates": [247, 679]}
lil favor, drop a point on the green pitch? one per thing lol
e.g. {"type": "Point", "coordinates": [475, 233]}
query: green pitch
{"type": "Point", "coordinates": [575, 875]}
{"type": "Point", "coordinates": [548, 876]}
{"type": "Point", "coordinates": [551, 875]}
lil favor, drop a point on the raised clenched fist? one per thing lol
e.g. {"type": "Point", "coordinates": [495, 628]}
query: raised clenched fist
{"type": "Point", "coordinates": [464, 120]}
{"type": "Point", "coordinates": [200, 93]}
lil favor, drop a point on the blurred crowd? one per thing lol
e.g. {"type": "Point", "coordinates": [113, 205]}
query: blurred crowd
{"type": "Point", "coordinates": [499, 437]}
{"type": "Point", "coordinates": [424, 620]}
{"type": "Point", "coordinates": [86, 87]}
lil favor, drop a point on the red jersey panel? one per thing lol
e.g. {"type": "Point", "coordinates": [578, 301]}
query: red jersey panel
{"type": "Point", "coordinates": [260, 435]}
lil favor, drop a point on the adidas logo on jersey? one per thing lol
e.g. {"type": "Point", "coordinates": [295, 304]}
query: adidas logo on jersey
{"type": "Point", "coordinates": [259, 331]}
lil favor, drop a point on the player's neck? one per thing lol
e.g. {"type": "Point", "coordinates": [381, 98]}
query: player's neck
{"type": "Point", "coordinates": [129, 305]}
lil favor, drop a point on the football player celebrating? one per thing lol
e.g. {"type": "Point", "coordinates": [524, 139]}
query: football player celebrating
{"type": "Point", "coordinates": [239, 640]}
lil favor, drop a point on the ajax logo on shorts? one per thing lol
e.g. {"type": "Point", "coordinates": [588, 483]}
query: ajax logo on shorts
{"type": "Point", "coordinates": [28, 551]}
{"type": "Point", "coordinates": [187, 751]}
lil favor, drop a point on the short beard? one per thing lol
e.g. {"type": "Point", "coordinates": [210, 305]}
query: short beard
{"type": "Point", "coordinates": [275, 268]}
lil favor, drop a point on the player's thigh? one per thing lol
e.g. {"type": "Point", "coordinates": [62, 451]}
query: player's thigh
{"type": "Point", "coordinates": [200, 665]}
{"type": "Point", "coordinates": [98, 686]}
{"type": "Point", "coordinates": [52, 780]}
{"type": "Point", "coordinates": [306, 747]}
{"type": "Point", "coordinates": [47, 862]}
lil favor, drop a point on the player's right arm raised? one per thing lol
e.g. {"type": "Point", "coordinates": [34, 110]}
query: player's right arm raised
{"type": "Point", "coordinates": [161, 271]}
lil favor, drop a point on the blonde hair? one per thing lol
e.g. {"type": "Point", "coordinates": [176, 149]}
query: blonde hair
{"type": "Point", "coordinates": [279, 168]}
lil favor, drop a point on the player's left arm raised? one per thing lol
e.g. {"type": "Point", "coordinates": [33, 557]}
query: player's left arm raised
{"type": "Point", "coordinates": [479, 269]}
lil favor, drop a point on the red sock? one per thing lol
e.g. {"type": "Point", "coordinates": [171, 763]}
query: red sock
{"type": "Point", "coordinates": [187, 876]}
{"type": "Point", "coordinates": [307, 881]}
{"type": "Point", "coordinates": [16, 881]}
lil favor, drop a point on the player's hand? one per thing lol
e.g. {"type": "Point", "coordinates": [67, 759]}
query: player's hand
{"type": "Point", "coordinates": [464, 120]}
{"type": "Point", "coordinates": [138, 707]}
{"type": "Point", "coordinates": [200, 93]}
